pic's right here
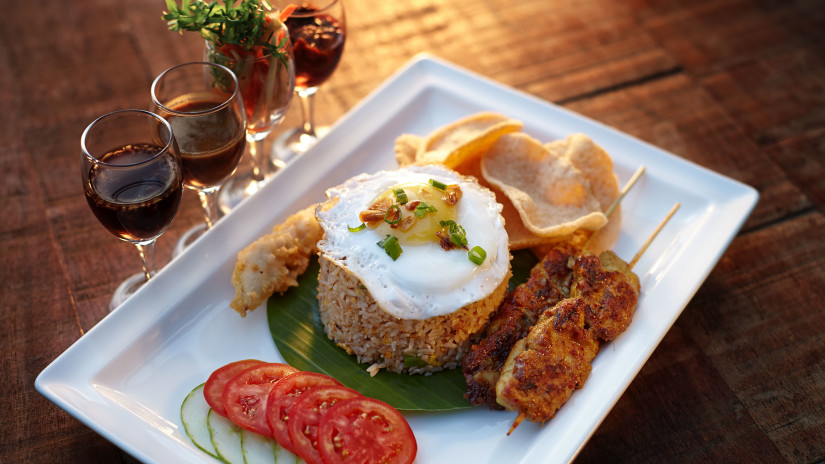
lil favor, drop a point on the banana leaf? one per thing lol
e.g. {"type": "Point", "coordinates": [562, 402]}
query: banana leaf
{"type": "Point", "coordinates": [299, 336]}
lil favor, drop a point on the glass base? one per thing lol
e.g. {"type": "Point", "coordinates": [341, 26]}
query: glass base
{"type": "Point", "coordinates": [188, 238]}
{"type": "Point", "coordinates": [238, 188]}
{"type": "Point", "coordinates": [293, 143]}
{"type": "Point", "coordinates": [126, 289]}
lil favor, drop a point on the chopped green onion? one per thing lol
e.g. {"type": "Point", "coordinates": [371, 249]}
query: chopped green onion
{"type": "Point", "coordinates": [400, 196]}
{"type": "Point", "coordinates": [437, 184]}
{"type": "Point", "coordinates": [358, 228]}
{"type": "Point", "coordinates": [422, 209]}
{"type": "Point", "coordinates": [477, 255]}
{"type": "Point", "coordinates": [413, 361]}
{"type": "Point", "coordinates": [457, 234]}
{"type": "Point", "coordinates": [391, 246]}
{"type": "Point", "coordinates": [387, 215]}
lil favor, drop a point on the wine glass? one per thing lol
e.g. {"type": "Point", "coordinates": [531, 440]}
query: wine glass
{"type": "Point", "coordinates": [203, 104]}
{"type": "Point", "coordinates": [318, 32]}
{"type": "Point", "coordinates": [132, 180]}
{"type": "Point", "coordinates": [267, 82]}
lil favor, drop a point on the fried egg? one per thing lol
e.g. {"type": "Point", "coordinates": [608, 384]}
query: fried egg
{"type": "Point", "coordinates": [425, 280]}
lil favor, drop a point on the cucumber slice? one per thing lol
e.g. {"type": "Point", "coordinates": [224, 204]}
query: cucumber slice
{"type": "Point", "coordinates": [284, 456]}
{"type": "Point", "coordinates": [257, 449]}
{"type": "Point", "coordinates": [193, 413]}
{"type": "Point", "coordinates": [220, 438]}
{"type": "Point", "coordinates": [226, 438]}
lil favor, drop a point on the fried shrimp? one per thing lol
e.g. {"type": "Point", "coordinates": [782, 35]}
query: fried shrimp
{"type": "Point", "coordinates": [272, 263]}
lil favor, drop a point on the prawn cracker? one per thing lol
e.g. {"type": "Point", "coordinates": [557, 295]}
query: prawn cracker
{"type": "Point", "coordinates": [464, 139]}
{"type": "Point", "coordinates": [551, 196]}
{"type": "Point", "coordinates": [406, 148]}
{"type": "Point", "coordinates": [593, 162]}
{"type": "Point", "coordinates": [517, 233]}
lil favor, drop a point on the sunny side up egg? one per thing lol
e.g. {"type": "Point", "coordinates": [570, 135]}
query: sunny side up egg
{"type": "Point", "coordinates": [424, 280]}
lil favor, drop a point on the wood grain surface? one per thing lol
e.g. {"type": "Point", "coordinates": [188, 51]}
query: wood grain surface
{"type": "Point", "coordinates": [737, 86]}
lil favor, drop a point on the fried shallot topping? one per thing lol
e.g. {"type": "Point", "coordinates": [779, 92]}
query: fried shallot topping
{"type": "Point", "coordinates": [376, 212]}
{"type": "Point", "coordinates": [452, 193]}
{"type": "Point", "coordinates": [405, 223]}
{"type": "Point", "coordinates": [393, 215]}
{"type": "Point", "coordinates": [444, 240]}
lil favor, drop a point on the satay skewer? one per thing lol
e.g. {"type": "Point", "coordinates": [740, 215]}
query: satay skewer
{"type": "Point", "coordinates": [521, 415]}
{"type": "Point", "coordinates": [482, 365]}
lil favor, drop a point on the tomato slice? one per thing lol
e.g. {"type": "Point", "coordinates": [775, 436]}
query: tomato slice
{"type": "Point", "coordinates": [213, 390]}
{"type": "Point", "coordinates": [286, 12]}
{"type": "Point", "coordinates": [364, 429]}
{"type": "Point", "coordinates": [305, 415]}
{"type": "Point", "coordinates": [245, 395]}
{"type": "Point", "coordinates": [283, 396]}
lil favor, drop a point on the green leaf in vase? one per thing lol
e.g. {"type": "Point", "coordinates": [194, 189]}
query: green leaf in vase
{"type": "Point", "coordinates": [299, 336]}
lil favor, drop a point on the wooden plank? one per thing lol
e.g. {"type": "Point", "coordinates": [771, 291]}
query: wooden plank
{"type": "Point", "coordinates": [523, 44]}
{"type": "Point", "coordinates": [775, 97]}
{"type": "Point", "coordinates": [156, 46]}
{"type": "Point", "coordinates": [765, 67]}
{"type": "Point", "coordinates": [736, 320]}
{"type": "Point", "coordinates": [707, 36]}
{"type": "Point", "coordinates": [801, 159]}
{"type": "Point", "coordinates": [40, 321]}
{"type": "Point", "coordinates": [668, 411]}
{"type": "Point", "coordinates": [68, 70]}
{"type": "Point", "coordinates": [672, 113]}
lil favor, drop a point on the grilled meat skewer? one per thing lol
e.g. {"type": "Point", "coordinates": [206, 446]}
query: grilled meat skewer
{"type": "Point", "coordinates": [548, 283]}
{"type": "Point", "coordinates": [553, 360]}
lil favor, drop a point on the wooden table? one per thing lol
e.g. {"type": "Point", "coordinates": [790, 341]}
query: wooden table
{"type": "Point", "coordinates": [737, 86]}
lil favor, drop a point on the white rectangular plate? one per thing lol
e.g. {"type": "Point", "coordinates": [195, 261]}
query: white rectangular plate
{"type": "Point", "coordinates": [126, 378]}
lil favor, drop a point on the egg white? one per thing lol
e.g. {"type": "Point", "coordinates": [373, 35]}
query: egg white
{"type": "Point", "coordinates": [425, 281]}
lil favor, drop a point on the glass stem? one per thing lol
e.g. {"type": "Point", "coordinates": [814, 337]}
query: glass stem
{"type": "Point", "coordinates": [210, 206]}
{"type": "Point", "coordinates": [147, 257]}
{"type": "Point", "coordinates": [260, 162]}
{"type": "Point", "coordinates": [307, 97]}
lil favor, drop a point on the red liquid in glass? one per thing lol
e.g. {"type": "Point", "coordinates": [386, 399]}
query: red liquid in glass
{"type": "Point", "coordinates": [317, 44]}
{"type": "Point", "coordinates": [210, 145]}
{"type": "Point", "coordinates": [134, 204]}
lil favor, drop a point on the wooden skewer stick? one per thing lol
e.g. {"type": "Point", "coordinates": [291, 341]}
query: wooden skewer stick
{"type": "Point", "coordinates": [653, 235]}
{"type": "Point", "coordinates": [624, 191]}
{"type": "Point", "coordinates": [618, 200]}
{"type": "Point", "coordinates": [516, 423]}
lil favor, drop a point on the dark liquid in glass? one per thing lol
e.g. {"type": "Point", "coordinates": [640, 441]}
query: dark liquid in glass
{"type": "Point", "coordinates": [317, 44]}
{"type": "Point", "coordinates": [134, 204]}
{"type": "Point", "coordinates": [211, 145]}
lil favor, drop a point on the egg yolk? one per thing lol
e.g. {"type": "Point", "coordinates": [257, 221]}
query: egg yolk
{"type": "Point", "coordinates": [423, 228]}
